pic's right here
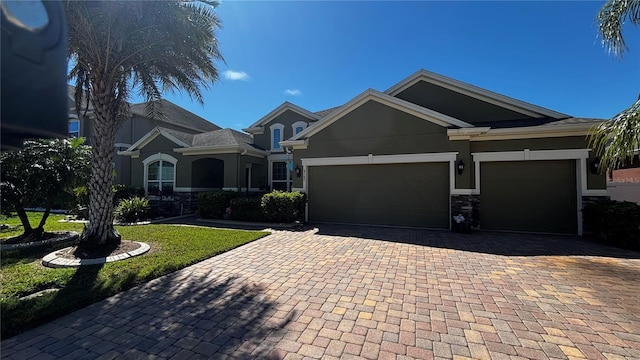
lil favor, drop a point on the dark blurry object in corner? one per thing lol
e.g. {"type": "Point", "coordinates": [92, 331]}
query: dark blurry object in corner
{"type": "Point", "coordinates": [34, 72]}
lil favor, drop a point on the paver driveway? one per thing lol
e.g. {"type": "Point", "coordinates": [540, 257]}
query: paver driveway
{"type": "Point", "coordinates": [368, 292]}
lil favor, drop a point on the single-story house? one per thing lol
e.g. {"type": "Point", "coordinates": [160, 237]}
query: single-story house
{"type": "Point", "coordinates": [420, 153]}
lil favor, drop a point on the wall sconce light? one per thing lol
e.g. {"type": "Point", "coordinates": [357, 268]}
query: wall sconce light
{"type": "Point", "coordinates": [460, 166]}
{"type": "Point", "coordinates": [298, 171]}
{"type": "Point", "coordinates": [595, 166]}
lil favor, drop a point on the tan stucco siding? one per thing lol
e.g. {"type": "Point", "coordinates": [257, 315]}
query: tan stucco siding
{"type": "Point", "coordinates": [287, 118]}
{"type": "Point", "coordinates": [456, 105]}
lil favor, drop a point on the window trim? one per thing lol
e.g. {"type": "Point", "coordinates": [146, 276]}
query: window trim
{"type": "Point", "coordinates": [298, 124]}
{"type": "Point", "coordinates": [286, 158]}
{"type": "Point", "coordinates": [72, 120]}
{"type": "Point", "coordinates": [159, 157]}
{"type": "Point", "coordinates": [273, 128]}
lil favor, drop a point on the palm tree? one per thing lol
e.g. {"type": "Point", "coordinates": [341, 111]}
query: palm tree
{"type": "Point", "coordinates": [616, 140]}
{"type": "Point", "coordinates": [116, 47]}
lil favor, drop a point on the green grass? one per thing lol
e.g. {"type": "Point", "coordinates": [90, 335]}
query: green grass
{"type": "Point", "coordinates": [172, 248]}
{"type": "Point", "coordinates": [52, 224]}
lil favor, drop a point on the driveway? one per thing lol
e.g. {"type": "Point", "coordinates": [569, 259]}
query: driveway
{"type": "Point", "coordinates": [376, 293]}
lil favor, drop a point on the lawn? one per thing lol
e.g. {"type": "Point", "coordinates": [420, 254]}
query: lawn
{"type": "Point", "coordinates": [172, 248]}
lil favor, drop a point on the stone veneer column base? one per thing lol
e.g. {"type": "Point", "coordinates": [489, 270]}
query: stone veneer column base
{"type": "Point", "coordinates": [586, 230]}
{"type": "Point", "coordinates": [468, 206]}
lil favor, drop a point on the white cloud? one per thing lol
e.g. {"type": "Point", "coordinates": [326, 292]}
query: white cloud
{"type": "Point", "coordinates": [293, 92]}
{"type": "Point", "coordinates": [236, 75]}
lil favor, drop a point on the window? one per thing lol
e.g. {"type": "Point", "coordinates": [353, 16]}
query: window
{"type": "Point", "coordinates": [298, 127]}
{"type": "Point", "coordinates": [277, 135]}
{"type": "Point", "coordinates": [74, 128]}
{"type": "Point", "coordinates": [160, 174]}
{"type": "Point", "coordinates": [279, 176]}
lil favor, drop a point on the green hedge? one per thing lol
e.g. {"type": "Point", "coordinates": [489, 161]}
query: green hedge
{"type": "Point", "coordinates": [133, 209]}
{"type": "Point", "coordinates": [212, 204]}
{"type": "Point", "coordinates": [617, 223]}
{"type": "Point", "coordinates": [247, 209]}
{"type": "Point", "coordinates": [282, 206]}
{"type": "Point", "coordinates": [122, 192]}
{"type": "Point", "coordinates": [276, 206]}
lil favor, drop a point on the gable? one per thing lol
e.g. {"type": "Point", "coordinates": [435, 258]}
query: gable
{"type": "Point", "coordinates": [260, 125]}
{"type": "Point", "coordinates": [287, 118]}
{"type": "Point", "coordinates": [526, 110]}
{"type": "Point", "coordinates": [457, 105]}
{"type": "Point", "coordinates": [375, 128]}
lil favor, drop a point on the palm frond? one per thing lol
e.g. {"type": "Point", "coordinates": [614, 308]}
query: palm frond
{"type": "Point", "coordinates": [611, 19]}
{"type": "Point", "coordinates": [615, 141]}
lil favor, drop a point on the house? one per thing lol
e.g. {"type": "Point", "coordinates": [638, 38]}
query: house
{"type": "Point", "coordinates": [423, 151]}
{"type": "Point", "coordinates": [171, 117]}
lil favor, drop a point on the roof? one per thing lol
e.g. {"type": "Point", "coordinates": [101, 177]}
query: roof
{"type": "Point", "coordinates": [479, 93]}
{"type": "Point", "coordinates": [278, 111]}
{"type": "Point", "coordinates": [325, 112]}
{"type": "Point", "coordinates": [174, 114]}
{"type": "Point", "coordinates": [373, 95]}
{"type": "Point", "coordinates": [221, 137]}
{"type": "Point", "coordinates": [536, 122]}
{"type": "Point", "coordinates": [72, 93]}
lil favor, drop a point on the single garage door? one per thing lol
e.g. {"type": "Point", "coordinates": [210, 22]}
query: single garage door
{"type": "Point", "coordinates": [531, 196]}
{"type": "Point", "coordinates": [390, 194]}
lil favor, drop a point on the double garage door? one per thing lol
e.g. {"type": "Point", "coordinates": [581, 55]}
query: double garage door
{"type": "Point", "coordinates": [414, 194]}
{"type": "Point", "coordinates": [530, 196]}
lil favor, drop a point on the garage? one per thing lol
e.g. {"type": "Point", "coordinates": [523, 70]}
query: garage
{"type": "Point", "coordinates": [409, 194]}
{"type": "Point", "coordinates": [531, 196]}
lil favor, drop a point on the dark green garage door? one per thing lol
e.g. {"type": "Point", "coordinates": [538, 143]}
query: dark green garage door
{"type": "Point", "coordinates": [532, 196]}
{"type": "Point", "coordinates": [394, 194]}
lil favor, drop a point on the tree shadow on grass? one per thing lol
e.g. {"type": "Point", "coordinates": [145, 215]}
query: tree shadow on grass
{"type": "Point", "coordinates": [20, 315]}
{"type": "Point", "coordinates": [184, 312]}
{"type": "Point", "coordinates": [497, 243]}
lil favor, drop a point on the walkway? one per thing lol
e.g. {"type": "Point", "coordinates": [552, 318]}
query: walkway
{"type": "Point", "coordinates": [375, 293]}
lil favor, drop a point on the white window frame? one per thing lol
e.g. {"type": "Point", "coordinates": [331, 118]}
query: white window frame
{"type": "Point", "coordinates": [275, 147]}
{"type": "Point", "coordinates": [286, 158]}
{"type": "Point", "coordinates": [73, 119]}
{"type": "Point", "coordinates": [159, 157]}
{"type": "Point", "coordinates": [298, 124]}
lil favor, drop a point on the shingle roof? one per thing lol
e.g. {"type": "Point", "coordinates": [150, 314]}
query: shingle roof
{"type": "Point", "coordinates": [325, 112]}
{"type": "Point", "coordinates": [174, 114]}
{"type": "Point", "coordinates": [228, 137]}
{"type": "Point", "coordinates": [222, 137]}
{"type": "Point", "coordinates": [182, 136]}
{"type": "Point", "coordinates": [535, 122]}
{"type": "Point", "coordinates": [573, 120]}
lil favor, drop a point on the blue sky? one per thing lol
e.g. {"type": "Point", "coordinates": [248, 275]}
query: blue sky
{"type": "Point", "coordinates": [321, 54]}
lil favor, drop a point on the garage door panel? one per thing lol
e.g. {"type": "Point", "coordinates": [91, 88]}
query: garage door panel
{"type": "Point", "coordinates": [535, 196]}
{"type": "Point", "coordinates": [390, 194]}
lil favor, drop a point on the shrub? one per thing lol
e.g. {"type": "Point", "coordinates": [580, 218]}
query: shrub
{"type": "Point", "coordinates": [133, 209]}
{"type": "Point", "coordinates": [281, 206]}
{"type": "Point", "coordinates": [121, 192]}
{"type": "Point", "coordinates": [213, 204]}
{"type": "Point", "coordinates": [247, 209]}
{"type": "Point", "coordinates": [618, 223]}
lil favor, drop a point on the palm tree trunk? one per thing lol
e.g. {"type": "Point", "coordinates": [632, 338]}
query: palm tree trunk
{"type": "Point", "coordinates": [100, 230]}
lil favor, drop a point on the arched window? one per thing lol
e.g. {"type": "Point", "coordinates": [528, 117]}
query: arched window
{"type": "Point", "coordinates": [277, 135]}
{"type": "Point", "coordinates": [160, 174]}
{"type": "Point", "coordinates": [74, 128]}
{"type": "Point", "coordinates": [298, 127]}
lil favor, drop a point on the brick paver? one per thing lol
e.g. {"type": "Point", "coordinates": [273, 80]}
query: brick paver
{"type": "Point", "coordinates": [358, 292]}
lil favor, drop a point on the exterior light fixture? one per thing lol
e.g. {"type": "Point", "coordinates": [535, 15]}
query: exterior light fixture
{"type": "Point", "coordinates": [595, 166]}
{"type": "Point", "coordinates": [298, 171]}
{"type": "Point", "coordinates": [460, 166]}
